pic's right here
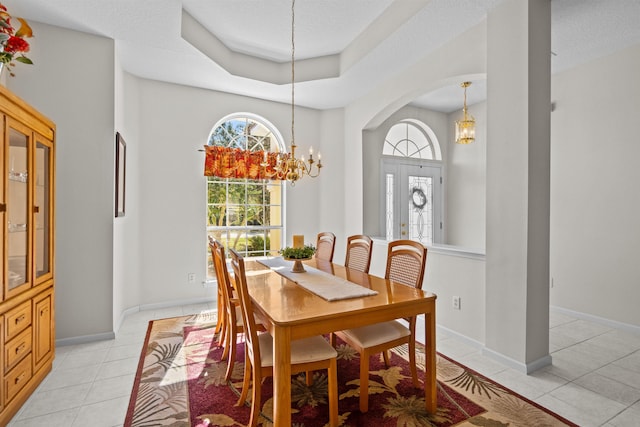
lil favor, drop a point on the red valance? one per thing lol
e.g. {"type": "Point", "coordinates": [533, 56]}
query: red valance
{"type": "Point", "coordinates": [225, 162]}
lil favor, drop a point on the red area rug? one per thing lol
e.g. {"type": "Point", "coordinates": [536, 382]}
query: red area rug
{"type": "Point", "coordinates": [180, 382]}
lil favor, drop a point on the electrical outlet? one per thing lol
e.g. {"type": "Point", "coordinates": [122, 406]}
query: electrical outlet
{"type": "Point", "coordinates": [191, 277]}
{"type": "Point", "coordinates": [456, 303]}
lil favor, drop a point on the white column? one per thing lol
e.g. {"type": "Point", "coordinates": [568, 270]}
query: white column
{"type": "Point", "coordinates": [518, 128]}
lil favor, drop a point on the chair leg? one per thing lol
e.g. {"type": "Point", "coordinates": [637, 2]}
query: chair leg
{"type": "Point", "coordinates": [220, 317]}
{"type": "Point", "coordinates": [256, 398]}
{"type": "Point", "coordinates": [247, 378]}
{"type": "Point", "coordinates": [412, 362]}
{"type": "Point", "coordinates": [309, 375]}
{"type": "Point", "coordinates": [223, 333]}
{"type": "Point", "coordinates": [332, 339]}
{"type": "Point", "coordinates": [364, 382]}
{"type": "Point", "coordinates": [333, 392]}
{"type": "Point", "coordinates": [227, 342]}
{"type": "Point", "coordinates": [233, 343]}
{"type": "Point", "coordinates": [385, 355]}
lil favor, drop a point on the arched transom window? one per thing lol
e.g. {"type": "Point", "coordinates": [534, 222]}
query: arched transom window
{"type": "Point", "coordinates": [412, 138]}
{"type": "Point", "coordinates": [245, 214]}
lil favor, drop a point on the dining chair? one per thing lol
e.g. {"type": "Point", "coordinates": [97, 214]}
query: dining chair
{"type": "Point", "coordinates": [358, 252]}
{"type": "Point", "coordinates": [233, 323]}
{"type": "Point", "coordinates": [307, 354]}
{"type": "Point", "coordinates": [220, 300]}
{"type": "Point", "coordinates": [406, 260]}
{"type": "Point", "coordinates": [325, 244]}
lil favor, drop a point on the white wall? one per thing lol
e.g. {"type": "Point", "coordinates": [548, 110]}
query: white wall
{"type": "Point", "coordinates": [466, 184]}
{"type": "Point", "coordinates": [595, 237]}
{"type": "Point", "coordinates": [77, 92]}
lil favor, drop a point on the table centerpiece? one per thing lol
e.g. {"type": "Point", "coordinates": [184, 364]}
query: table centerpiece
{"type": "Point", "coordinates": [297, 255]}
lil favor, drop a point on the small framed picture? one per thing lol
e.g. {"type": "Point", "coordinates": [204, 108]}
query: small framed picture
{"type": "Point", "coordinates": [121, 162]}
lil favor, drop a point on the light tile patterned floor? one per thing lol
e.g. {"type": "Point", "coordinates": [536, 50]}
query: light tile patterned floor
{"type": "Point", "coordinates": [594, 379]}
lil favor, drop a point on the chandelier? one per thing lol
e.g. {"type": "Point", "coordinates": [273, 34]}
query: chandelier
{"type": "Point", "coordinates": [465, 128]}
{"type": "Point", "coordinates": [289, 167]}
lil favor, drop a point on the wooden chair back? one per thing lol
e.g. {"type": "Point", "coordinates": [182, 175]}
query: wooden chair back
{"type": "Point", "coordinates": [325, 245]}
{"type": "Point", "coordinates": [406, 260]}
{"type": "Point", "coordinates": [222, 275]}
{"type": "Point", "coordinates": [359, 252]}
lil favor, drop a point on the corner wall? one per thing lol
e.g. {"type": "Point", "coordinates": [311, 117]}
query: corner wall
{"type": "Point", "coordinates": [77, 93]}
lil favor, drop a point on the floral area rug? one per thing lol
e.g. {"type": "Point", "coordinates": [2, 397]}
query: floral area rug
{"type": "Point", "coordinates": [180, 382]}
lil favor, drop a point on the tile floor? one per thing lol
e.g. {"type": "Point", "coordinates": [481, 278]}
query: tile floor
{"type": "Point", "coordinates": [594, 379]}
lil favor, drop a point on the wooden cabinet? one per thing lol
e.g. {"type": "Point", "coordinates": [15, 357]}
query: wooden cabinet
{"type": "Point", "coordinates": [27, 241]}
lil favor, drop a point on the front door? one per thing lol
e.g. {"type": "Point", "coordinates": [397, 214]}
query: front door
{"type": "Point", "coordinates": [413, 198]}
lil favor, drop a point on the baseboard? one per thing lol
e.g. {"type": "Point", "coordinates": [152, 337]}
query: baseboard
{"type": "Point", "coordinates": [634, 329]}
{"type": "Point", "coordinates": [525, 368]}
{"type": "Point", "coordinates": [167, 304]}
{"type": "Point", "coordinates": [84, 339]}
{"type": "Point", "coordinates": [131, 310]}
{"type": "Point", "coordinates": [459, 337]}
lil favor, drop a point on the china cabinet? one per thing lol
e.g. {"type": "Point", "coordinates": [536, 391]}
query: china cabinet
{"type": "Point", "coordinates": [27, 235]}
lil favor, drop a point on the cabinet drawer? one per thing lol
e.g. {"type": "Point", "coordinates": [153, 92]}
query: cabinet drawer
{"type": "Point", "coordinates": [17, 378]}
{"type": "Point", "coordinates": [17, 348]}
{"type": "Point", "coordinates": [17, 320]}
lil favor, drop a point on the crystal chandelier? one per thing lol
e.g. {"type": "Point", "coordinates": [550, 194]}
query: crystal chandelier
{"type": "Point", "coordinates": [288, 166]}
{"type": "Point", "coordinates": [465, 128]}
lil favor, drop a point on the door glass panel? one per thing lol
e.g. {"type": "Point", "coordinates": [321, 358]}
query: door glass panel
{"type": "Point", "coordinates": [42, 194]}
{"type": "Point", "coordinates": [421, 209]}
{"type": "Point", "coordinates": [389, 207]}
{"type": "Point", "coordinates": [17, 215]}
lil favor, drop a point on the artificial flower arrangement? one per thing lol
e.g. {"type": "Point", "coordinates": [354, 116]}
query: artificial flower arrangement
{"type": "Point", "coordinates": [304, 252]}
{"type": "Point", "coordinates": [13, 42]}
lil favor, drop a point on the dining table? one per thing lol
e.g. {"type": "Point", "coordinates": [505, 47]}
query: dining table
{"type": "Point", "coordinates": [291, 310]}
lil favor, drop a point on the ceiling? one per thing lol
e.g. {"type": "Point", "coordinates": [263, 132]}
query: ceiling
{"type": "Point", "coordinates": [343, 49]}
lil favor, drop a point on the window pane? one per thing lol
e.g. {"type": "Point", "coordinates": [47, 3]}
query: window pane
{"type": "Point", "coordinates": [216, 215]}
{"type": "Point", "coordinates": [235, 215]}
{"type": "Point", "coordinates": [237, 193]}
{"type": "Point", "coordinates": [216, 191]}
{"type": "Point", "coordinates": [275, 241]}
{"type": "Point", "coordinates": [255, 215]}
{"type": "Point", "coordinates": [257, 242]}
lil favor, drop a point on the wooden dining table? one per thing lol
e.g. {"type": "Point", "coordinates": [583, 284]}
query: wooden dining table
{"type": "Point", "coordinates": [290, 312]}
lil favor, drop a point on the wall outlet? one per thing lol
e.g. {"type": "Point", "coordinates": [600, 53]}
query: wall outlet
{"type": "Point", "coordinates": [191, 277]}
{"type": "Point", "coordinates": [456, 303]}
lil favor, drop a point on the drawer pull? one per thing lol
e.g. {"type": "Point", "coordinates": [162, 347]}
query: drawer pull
{"type": "Point", "coordinates": [20, 348]}
{"type": "Point", "coordinates": [19, 378]}
{"type": "Point", "coordinates": [20, 319]}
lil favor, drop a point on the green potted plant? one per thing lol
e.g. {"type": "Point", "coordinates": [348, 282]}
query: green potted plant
{"type": "Point", "coordinates": [297, 255]}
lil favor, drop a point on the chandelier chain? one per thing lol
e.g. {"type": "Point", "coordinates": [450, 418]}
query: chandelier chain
{"type": "Point", "coordinates": [293, 70]}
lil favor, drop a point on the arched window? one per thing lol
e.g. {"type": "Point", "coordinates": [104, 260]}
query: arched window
{"type": "Point", "coordinates": [412, 183]}
{"type": "Point", "coordinates": [245, 214]}
{"type": "Point", "coordinates": [412, 138]}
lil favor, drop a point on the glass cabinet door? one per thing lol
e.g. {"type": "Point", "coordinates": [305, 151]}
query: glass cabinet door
{"type": "Point", "coordinates": [41, 208]}
{"type": "Point", "coordinates": [17, 215]}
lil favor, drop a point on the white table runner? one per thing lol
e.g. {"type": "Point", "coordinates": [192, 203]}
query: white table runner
{"type": "Point", "coordinates": [325, 285]}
